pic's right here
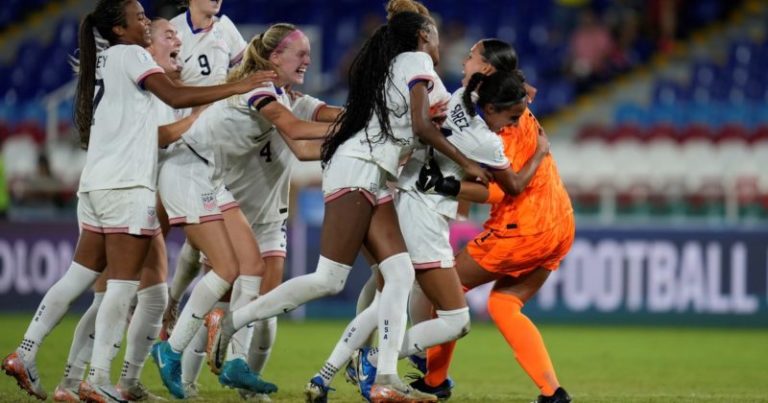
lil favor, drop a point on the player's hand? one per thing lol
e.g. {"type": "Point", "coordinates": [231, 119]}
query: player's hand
{"type": "Point", "coordinates": [429, 175]}
{"type": "Point", "coordinates": [543, 146]}
{"type": "Point", "coordinates": [255, 80]}
{"type": "Point", "coordinates": [476, 173]}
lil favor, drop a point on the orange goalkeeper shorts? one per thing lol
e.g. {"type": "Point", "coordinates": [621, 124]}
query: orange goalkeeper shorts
{"type": "Point", "coordinates": [518, 255]}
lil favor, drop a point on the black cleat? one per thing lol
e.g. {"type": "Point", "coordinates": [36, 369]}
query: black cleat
{"type": "Point", "coordinates": [560, 396]}
{"type": "Point", "coordinates": [442, 391]}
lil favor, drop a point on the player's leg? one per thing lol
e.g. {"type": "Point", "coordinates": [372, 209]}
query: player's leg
{"type": "Point", "coordinates": [82, 345]}
{"type": "Point", "coordinates": [187, 268]}
{"type": "Point", "coordinates": [87, 264]}
{"type": "Point", "coordinates": [235, 372]}
{"type": "Point", "coordinates": [212, 239]}
{"type": "Point", "coordinates": [471, 274]}
{"type": "Point", "coordinates": [344, 227]}
{"type": "Point", "coordinates": [385, 243]}
{"type": "Point", "coordinates": [146, 321]}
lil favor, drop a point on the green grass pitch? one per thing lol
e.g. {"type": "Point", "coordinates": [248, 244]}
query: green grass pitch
{"type": "Point", "coordinates": [595, 364]}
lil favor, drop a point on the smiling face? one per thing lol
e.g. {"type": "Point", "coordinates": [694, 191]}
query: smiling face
{"type": "Point", "coordinates": [166, 45]}
{"type": "Point", "coordinates": [499, 118]}
{"type": "Point", "coordinates": [476, 63]}
{"type": "Point", "coordinates": [206, 7]}
{"type": "Point", "coordinates": [136, 29]}
{"type": "Point", "coordinates": [292, 60]}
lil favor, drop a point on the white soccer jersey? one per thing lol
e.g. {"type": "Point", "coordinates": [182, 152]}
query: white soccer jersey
{"type": "Point", "coordinates": [208, 53]}
{"type": "Point", "coordinates": [267, 165]}
{"type": "Point", "coordinates": [473, 137]}
{"type": "Point", "coordinates": [122, 151]}
{"type": "Point", "coordinates": [407, 69]}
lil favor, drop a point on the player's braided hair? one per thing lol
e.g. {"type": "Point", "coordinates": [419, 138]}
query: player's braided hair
{"type": "Point", "coordinates": [501, 89]}
{"type": "Point", "coordinates": [368, 75]}
{"type": "Point", "coordinates": [260, 48]}
{"type": "Point", "coordinates": [106, 15]}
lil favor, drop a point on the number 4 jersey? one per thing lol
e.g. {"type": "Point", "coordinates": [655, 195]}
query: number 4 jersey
{"type": "Point", "coordinates": [208, 53]}
{"type": "Point", "coordinates": [122, 151]}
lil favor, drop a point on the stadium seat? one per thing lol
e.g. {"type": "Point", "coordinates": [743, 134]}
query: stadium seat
{"type": "Point", "coordinates": [593, 131]}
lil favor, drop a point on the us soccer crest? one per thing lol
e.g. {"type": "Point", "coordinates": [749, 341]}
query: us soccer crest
{"type": "Point", "coordinates": [209, 201]}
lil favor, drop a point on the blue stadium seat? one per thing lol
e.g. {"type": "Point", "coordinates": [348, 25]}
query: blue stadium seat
{"type": "Point", "coordinates": [630, 113]}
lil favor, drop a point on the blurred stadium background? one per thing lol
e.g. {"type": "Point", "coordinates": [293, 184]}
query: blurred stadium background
{"type": "Point", "coordinates": [657, 111]}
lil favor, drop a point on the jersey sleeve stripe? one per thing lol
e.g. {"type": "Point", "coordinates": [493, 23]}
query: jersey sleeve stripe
{"type": "Point", "coordinates": [317, 111]}
{"type": "Point", "coordinates": [422, 78]}
{"type": "Point", "coordinates": [146, 74]}
{"type": "Point", "coordinates": [259, 95]}
{"type": "Point", "coordinates": [236, 59]}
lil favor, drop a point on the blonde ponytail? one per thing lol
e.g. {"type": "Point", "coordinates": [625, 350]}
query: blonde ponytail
{"type": "Point", "coordinates": [259, 50]}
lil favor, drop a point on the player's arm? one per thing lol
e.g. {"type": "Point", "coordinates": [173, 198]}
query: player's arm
{"type": "Point", "coordinates": [180, 96]}
{"type": "Point", "coordinates": [171, 132]}
{"type": "Point", "coordinates": [427, 132]}
{"type": "Point", "coordinates": [328, 113]}
{"type": "Point", "coordinates": [304, 150]}
{"type": "Point", "coordinates": [288, 124]}
{"type": "Point", "coordinates": [513, 183]}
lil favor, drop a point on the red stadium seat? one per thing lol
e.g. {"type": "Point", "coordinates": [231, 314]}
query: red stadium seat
{"type": "Point", "coordinates": [732, 132]}
{"type": "Point", "coordinates": [626, 132]}
{"type": "Point", "coordinates": [760, 134]}
{"type": "Point", "coordinates": [662, 131]}
{"type": "Point", "coordinates": [696, 132]}
{"type": "Point", "coordinates": [593, 131]}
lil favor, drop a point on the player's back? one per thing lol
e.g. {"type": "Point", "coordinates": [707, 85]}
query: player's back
{"type": "Point", "coordinates": [544, 203]}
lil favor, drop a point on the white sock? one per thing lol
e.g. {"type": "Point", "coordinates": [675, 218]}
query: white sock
{"type": "Point", "coordinates": [398, 275]}
{"type": "Point", "coordinates": [110, 326]}
{"type": "Point", "coordinates": [54, 305]}
{"type": "Point", "coordinates": [419, 306]}
{"type": "Point", "coordinates": [262, 339]}
{"type": "Point", "coordinates": [248, 287]}
{"type": "Point", "coordinates": [368, 291]}
{"type": "Point", "coordinates": [204, 296]}
{"type": "Point", "coordinates": [193, 357]}
{"type": "Point", "coordinates": [82, 341]}
{"type": "Point", "coordinates": [328, 279]}
{"type": "Point", "coordinates": [448, 326]}
{"type": "Point", "coordinates": [187, 268]}
{"type": "Point", "coordinates": [354, 336]}
{"type": "Point", "coordinates": [144, 328]}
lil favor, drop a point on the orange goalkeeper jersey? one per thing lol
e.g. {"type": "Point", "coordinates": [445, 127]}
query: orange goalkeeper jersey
{"type": "Point", "coordinates": [544, 203]}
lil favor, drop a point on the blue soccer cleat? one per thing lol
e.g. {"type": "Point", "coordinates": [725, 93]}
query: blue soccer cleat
{"type": "Point", "coordinates": [316, 391]}
{"type": "Point", "coordinates": [236, 374]}
{"type": "Point", "coordinates": [366, 373]}
{"type": "Point", "coordinates": [169, 364]}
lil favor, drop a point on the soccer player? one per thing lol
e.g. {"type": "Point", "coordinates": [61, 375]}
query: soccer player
{"type": "Point", "coordinates": [388, 103]}
{"type": "Point", "coordinates": [525, 239]}
{"type": "Point", "coordinates": [226, 133]}
{"type": "Point", "coordinates": [117, 123]}
{"type": "Point", "coordinates": [425, 217]}
{"type": "Point", "coordinates": [254, 163]}
{"type": "Point", "coordinates": [212, 46]}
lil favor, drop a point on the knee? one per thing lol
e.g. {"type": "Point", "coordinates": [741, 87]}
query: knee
{"type": "Point", "coordinates": [457, 321]}
{"type": "Point", "coordinates": [502, 305]}
{"type": "Point", "coordinates": [330, 277]}
{"type": "Point", "coordinates": [398, 271]}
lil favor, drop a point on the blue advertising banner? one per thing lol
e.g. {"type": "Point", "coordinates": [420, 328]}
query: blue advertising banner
{"type": "Point", "coordinates": [694, 276]}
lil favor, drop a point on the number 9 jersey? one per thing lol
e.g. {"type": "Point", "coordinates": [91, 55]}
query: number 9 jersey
{"type": "Point", "coordinates": [208, 53]}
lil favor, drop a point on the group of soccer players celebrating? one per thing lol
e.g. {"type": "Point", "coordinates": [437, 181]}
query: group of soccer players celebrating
{"type": "Point", "coordinates": [187, 124]}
